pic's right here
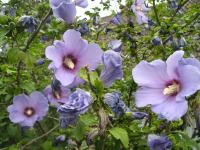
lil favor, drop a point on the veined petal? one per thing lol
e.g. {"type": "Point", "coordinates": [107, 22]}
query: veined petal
{"type": "Point", "coordinates": [171, 109]}
{"type": "Point", "coordinates": [189, 79]}
{"type": "Point", "coordinates": [73, 42]}
{"type": "Point", "coordinates": [173, 62]}
{"type": "Point", "coordinates": [150, 74]}
{"type": "Point", "coordinates": [149, 96]}
{"type": "Point", "coordinates": [91, 56]}
{"type": "Point", "coordinates": [64, 76]}
{"type": "Point", "coordinates": [55, 55]}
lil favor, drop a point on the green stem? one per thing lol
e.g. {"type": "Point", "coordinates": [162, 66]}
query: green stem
{"type": "Point", "coordinates": [156, 12]}
{"type": "Point", "coordinates": [38, 138]}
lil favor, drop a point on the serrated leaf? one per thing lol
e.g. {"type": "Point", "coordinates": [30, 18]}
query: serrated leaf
{"type": "Point", "coordinates": [120, 134]}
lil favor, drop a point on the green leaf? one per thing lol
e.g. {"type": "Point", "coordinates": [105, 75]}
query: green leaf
{"type": "Point", "coordinates": [120, 134]}
{"type": "Point", "coordinates": [88, 119]}
{"type": "Point", "coordinates": [185, 141]}
{"type": "Point", "coordinates": [15, 55]}
{"type": "Point", "coordinates": [79, 131]}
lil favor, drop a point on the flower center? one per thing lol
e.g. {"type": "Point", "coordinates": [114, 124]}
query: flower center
{"type": "Point", "coordinates": [172, 89]}
{"type": "Point", "coordinates": [29, 111]}
{"type": "Point", "coordinates": [138, 8]}
{"type": "Point", "coordinates": [56, 95]}
{"type": "Point", "coordinates": [69, 62]}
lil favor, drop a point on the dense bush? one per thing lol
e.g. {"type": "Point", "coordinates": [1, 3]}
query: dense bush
{"type": "Point", "coordinates": [118, 82]}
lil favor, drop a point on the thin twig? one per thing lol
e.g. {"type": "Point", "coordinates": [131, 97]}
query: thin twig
{"type": "Point", "coordinates": [38, 138]}
{"type": "Point", "coordinates": [30, 40]}
{"type": "Point", "coordinates": [156, 12]}
{"type": "Point", "coordinates": [178, 9]}
{"type": "Point", "coordinates": [18, 72]}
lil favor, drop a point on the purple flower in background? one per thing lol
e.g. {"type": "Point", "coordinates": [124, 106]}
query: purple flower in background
{"type": "Point", "coordinates": [114, 101]}
{"type": "Point", "coordinates": [26, 110]}
{"type": "Point", "coordinates": [28, 22]}
{"type": "Point", "coordinates": [139, 8]}
{"type": "Point", "coordinates": [83, 29]}
{"type": "Point", "coordinates": [116, 19]}
{"type": "Point", "coordinates": [139, 115]}
{"type": "Point", "coordinates": [57, 97]}
{"type": "Point", "coordinates": [66, 9]}
{"type": "Point", "coordinates": [59, 139]}
{"type": "Point", "coordinates": [78, 103]}
{"type": "Point", "coordinates": [156, 142]}
{"type": "Point", "coordinates": [156, 41]}
{"type": "Point", "coordinates": [112, 67]}
{"type": "Point", "coordinates": [115, 45]}
{"type": "Point", "coordinates": [164, 85]}
{"type": "Point", "coordinates": [70, 55]}
{"type": "Point", "coordinates": [40, 61]}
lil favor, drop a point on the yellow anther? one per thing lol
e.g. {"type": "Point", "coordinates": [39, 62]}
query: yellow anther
{"type": "Point", "coordinates": [171, 89]}
{"type": "Point", "coordinates": [69, 63]}
{"type": "Point", "coordinates": [57, 96]}
{"type": "Point", "coordinates": [138, 8]}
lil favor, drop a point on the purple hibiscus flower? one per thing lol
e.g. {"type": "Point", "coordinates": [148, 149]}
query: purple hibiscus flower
{"type": "Point", "coordinates": [156, 142]}
{"type": "Point", "coordinates": [57, 97]}
{"type": "Point", "coordinates": [164, 85]}
{"type": "Point", "coordinates": [139, 8]}
{"type": "Point", "coordinates": [26, 110]}
{"type": "Point", "coordinates": [70, 55]}
{"type": "Point", "coordinates": [66, 9]}
{"type": "Point", "coordinates": [112, 67]}
{"type": "Point", "coordinates": [78, 103]}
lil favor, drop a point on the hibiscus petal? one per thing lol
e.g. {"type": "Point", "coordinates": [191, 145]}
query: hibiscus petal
{"type": "Point", "coordinates": [29, 122]}
{"type": "Point", "coordinates": [73, 42]}
{"type": "Point", "coordinates": [64, 76]}
{"type": "Point", "coordinates": [65, 10]}
{"type": "Point", "coordinates": [173, 63]}
{"type": "Point", "coordinates": [191, 61]}
{"type": "Point", "coordinates": [81, 3]}
{"type": "Point", "coordinates": [16, 117]}
{"type": "Point", "coordinates": [55, 55]}
{"type": "Point", "coordinates": [189, 79]}
{"type": "Point", "coordinates": [149, 96]}
{"type": "Point", "coordinates": [150, 74]}
{"type": "Point", "coordinates": [20, 101]}
{"type": "Point", "coordinates": [91, 56]}
{"type": "Point", "coordinates": [171, 109]}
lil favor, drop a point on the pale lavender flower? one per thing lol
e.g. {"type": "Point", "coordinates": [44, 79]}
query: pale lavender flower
{"type": "Point", "coordinates": [112, 67]}
{"type": "Point", "coordinates": [78, 103]}
{"type": "Point", "coordinates": [66, 9]}
{"type": "Point", "coordinates": [156, 142]}
{"type": "Point", "coordinates": [26, 110]}
{"type": "Point", "coordinates": [70, 55]}
{"type": "Point", "coordinates": [57, 97]}
{"type": "Point", "coordinates": [115, 45]}
{"type": "Point", "coordinates": [164, 85]}
{"type": "Point", "coordinates": [139, 8]}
